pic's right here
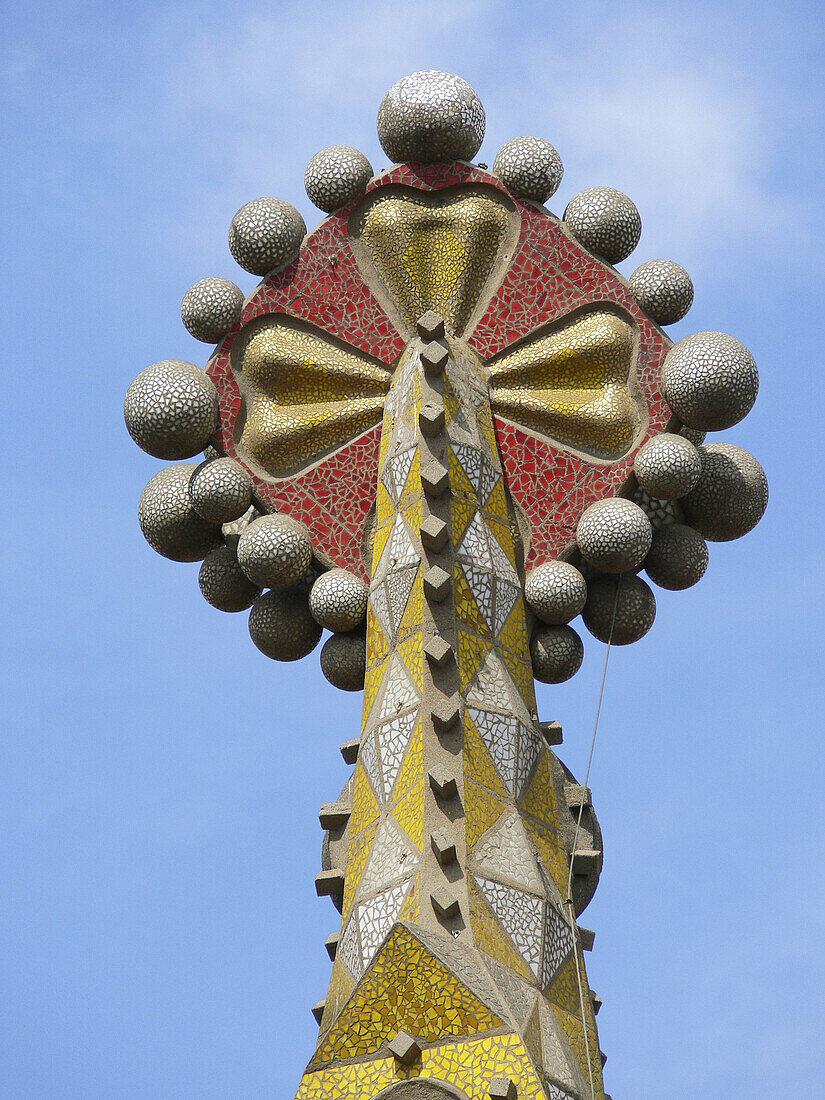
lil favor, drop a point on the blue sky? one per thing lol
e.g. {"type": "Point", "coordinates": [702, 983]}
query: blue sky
{"type": "Point", "coordinates": [159, 931]}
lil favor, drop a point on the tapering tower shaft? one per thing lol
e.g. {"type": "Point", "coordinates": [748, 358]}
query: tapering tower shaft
{"type": "Point", "coordinates": [458, 959]}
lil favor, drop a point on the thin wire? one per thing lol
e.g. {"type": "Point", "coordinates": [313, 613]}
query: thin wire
{"type": "Point", "coordinates": [572, 912]}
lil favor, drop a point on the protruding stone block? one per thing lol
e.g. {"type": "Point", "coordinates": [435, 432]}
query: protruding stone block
{"type": "Point", "coordinates": [434, 532]}
{"type": "Point", "coordinates": [442, 783]}
{"type": "Point", "coordinates": [446, 713]}
{"type": "Point", "coordinates": [445, 903]}
{"type": "Point", "coordinates": [331, 944]}
{"type": "Point", "coordinates": [596, 1001]}
{"type": "Point", "coordinates": [349, 750]}
{"type": "Point", "coordinates": [334, 815]}
{"type": "Point", "coordinates": [430, 325]}
{"type": "Point", "coordinates": [444, 847]}
{"type": "Point", "coordinates": [404, 1048]}
{"type": "Point", "coordinates": [330, 884]}
{"type": "Point", "coordinates": [434, 357]}
{"type": "Point", "coordinates": [438, 651]}
{"type": "Point", "coordinates": [586, 861]}
{"type": "Point", "coordinates": [502, 1088]}
{"type": "Point", "coordinates": [318, 1011]}
{"type": "Point", "coordinates": [576, 795]}
{"type": "Point", "coordinates": [435, 479]}
{"type": "Point", "coordinates": [586, 937]}
{"type": "Point", "coordinates": [431, 419]}
{"type": "Point", "coordinates": [552, 732]}
{"type": "Point", "coordinates": [437, 583]}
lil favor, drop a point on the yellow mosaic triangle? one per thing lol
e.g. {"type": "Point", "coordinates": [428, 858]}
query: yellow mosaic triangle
{"type": "Point", "coordinates": [364, 807]}
{"type": "Point", "coordinates": [414, 611]}
{"type": "Point", "coordinates": [481, 811]}
{"type": "Point", "coordinates": [466, 608]}
{"type": "Point", "coordinates": [477, 762]}
{"type": "Point", "coordinates": [471, 653]}
{"type": "Point", "coordinates": [490, 936]}
{"type": "Point", "coordinates": [357, 852]}
{"type": "Point", "coordinates": [406, 988]}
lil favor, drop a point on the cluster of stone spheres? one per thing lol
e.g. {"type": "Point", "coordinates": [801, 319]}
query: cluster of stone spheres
{"type": "Point", "coordinates": [684, 491]}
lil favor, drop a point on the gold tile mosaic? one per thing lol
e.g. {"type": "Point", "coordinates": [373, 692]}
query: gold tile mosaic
{"type": "Point", "coordinates": [481, 809]}
{"type": "Point", "coordinates": [477, 763]}
{"type": "Point", "coordinates": [357, 852]}
{"type": "Point", "coordinates": [472, 652]}
{"type": "Point", "coordinates": [364, 807]}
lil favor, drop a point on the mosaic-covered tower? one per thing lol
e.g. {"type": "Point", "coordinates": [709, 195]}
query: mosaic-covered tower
{"type": "Point", "coordinates": [443, 426]}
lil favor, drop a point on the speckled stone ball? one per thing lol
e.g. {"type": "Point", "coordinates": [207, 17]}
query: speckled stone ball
{"type": "Point", "coordinates": [730, 496]}
{"type": "Point", "coordinates": [344, 660]}
{"type": "Point", "coordinates": [221, 490]}
{"type": "Point", "coordinates": [265, 234]}
{"type": "Point", "coordinates": [171, 409]}
{"type": "Point", "coordinates": [168, 521]}
{"type": "Point", "coordinates": [635, 609]}
{"type": "Point", "coordinates": [678, 557]}
{"type": "Point", "coordinates": [338, 600]}
{"type": "Point", "coordinates": [555, 591]}
{"type": "Point", "coordinates": [335, 176]}
{"type": "Point", "coordinates": [223, 583]}
{"type": "Point", "coordinates": [556, 653]}
{"type": "Point", "coordinates": [614, 535]}
{"type": "Point", "coordinates": [281, 626]}
{"type": "Point", "coordinates": [211, 307]}
{"type": "Point", "coordinates": [663, 289]}
{"type": "Point", "coordinates": [274, 551]}
{"type": "Point", "coordinates": [710, 380]}
{"type": "Point", "coordinates": [668, 466]}
{"type": "Point", "coordinates": [605, 221]}
{"type": "Point", "coordinates": [430, 117]}
{"type": "Point", "coordinates": [529, 167]}
{"type": "Point", "coordinates": [659, 512]}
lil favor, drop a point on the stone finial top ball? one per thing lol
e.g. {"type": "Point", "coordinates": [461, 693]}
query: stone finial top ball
{"type": "Point", "coordinates": [265, 234]}
{"type": "Point", "coordinates": [663, 289]}
{"type": "Point", "coordinates": [430, 117]}
{"type": "Point", "coordinates": [555, 591]}
{"type": "Point", "coordinates": [605, 221]}
{"type": "Point", "coordinates": [211, 307]}
{"type": "Point", "coordinates": [668, 466]}
{"type": "Point", "coordinates": [529, 167]}
{"type": "Point", "coordinates": [336, 176]}
{"type": "Point", "coordinates": [614, 535]}
{"type": "Point", "coordinates": [171, 409]}
{"type": "Point", "coordinates": [710, 380]}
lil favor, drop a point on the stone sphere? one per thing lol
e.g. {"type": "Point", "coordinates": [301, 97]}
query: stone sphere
{"type": "Point", "coordinates": [221, 490]}
{"type": "Point", "coordinates": [730, 496]}
{"type": "Point", "coordinates": [710, 380]}
{"type": "Point", "coordinates": [338, 600]}
{"type": "Point", "coordinates": [555, 591]}
{"type": "Point", "coordinates": [211, 308]}
{"type": "Point", "coordinates": [274, 551]}
{"type": "Point", "coordinates": [556, 653]}
{"type": "Point", "coordinates": [668, 466]}
{"type": "Point", "coordinates": [663, 289]}
{"type": "Point", "coordinates": [223, 583]}
{"type": "Point", "coordinates": [344, 660]}
{"type": "Point", "coordinates": [171, 409]}
{"type": "Point", "coordinates": [678, 557]}
{"type": "Point", "coordinates": [168, 521]}
{"type": "Point", "coordinates": [281, 626]}
{"type": "Point", "coordinates": [529, 167]}
{"type": "Point", "coordinates": [635, 609]}
{"type": "Point", "coordinates": [266, 233]}
{"type": "Point", "coordinates": [614, 535]}
{"type": "Point", "coordinates": [659, 512]}
{"type": "Point", "coordinates": [336, 176]}
{"type": "Point", "coordinates": [605, 221]}
{"type": "Point", "coordinates": [430, 117]}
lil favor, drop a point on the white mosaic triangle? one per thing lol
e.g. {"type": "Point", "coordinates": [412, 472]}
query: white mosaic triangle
{"type": "Point", "coordinates": [400, 549]}
{"type": "Point", "coordinates": [504, 850]}
{"type": "Point", "coordinates": [506, 596]}
{"type": "Point", "coordinates": [399, 586]}
{"type": "Point", "coordinates": [376, 917]}
{"type": "Point", "coordinates": [556, 1061]}
{"type": "Point", "coordinates": [501, 563]}
{"type": "Point", "coordinates": [474, 544]}
{"type": "Point", "coordinates": [521, 916]}
{"type": "Point", "coordinates": [394, 474]}
{"type": "Point", "coordinates": [558, 943]}
{"type": "Point", "coordinates": [397, 691]}
{"type": "Point", "coordinates": [498, 732]}
{"type": "Point", "coordinates": [349, 948]}
{"type": "Point", "coordinates": [529, 746]}
{"type": "Point", "coordinates": [380, 603]}
{"type": "Point", "coordinates": [481, 583]}
{"type": "Point", "coordinates": [391, 858]}
{"type": "Point", "coordinates": [392, 739]}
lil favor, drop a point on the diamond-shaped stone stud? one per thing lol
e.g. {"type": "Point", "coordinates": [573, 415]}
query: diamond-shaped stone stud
{"type": "Point", "coordinates": [502, 1088]}
{"type": "Point", "coordinates": [442, 783]}
{"type": "Point", "coordinates": [444, 903]}
{"type": "Point", "coordinates": [438, 651]}
{"type": "Point", "coordinates": [444, 847]}
{"type": "Point", "coordinates": [431, 419]}
{"type": "Point", "coordinates": [433, 532]}
{"type": "Point", "coordinates": [430, 325]}
{"type": "Point", "coordinates": [435, 479]}
{"type": "Point", "coordinates": [404, 1048]}
{"type": "Point", "coordinates": [446, 713]}
{"type": "Point", "coordinates": [437, 583]}
{"type": "Point", "coordinates": [434, 357]}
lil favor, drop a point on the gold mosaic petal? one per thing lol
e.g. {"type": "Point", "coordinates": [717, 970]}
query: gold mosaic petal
{"type": "Point", "coordinates": [495, 509]}
{"type": "Point", "coordinates": [414, 611]}
{"type": "Point", "coordinates": [466, 608]}
{"type": "Point", "coordinates": [433, 250]}
{"type": "Point", "coordinates": [571, 383]}
{"type": "Point", "coordinates": [484, 419]}
{"type": "Point", "coordinates": [406, 988]}
{"type": "Point", "coordinates": [306, 393]}
{"type": "Point", "coordinates": [409, 910]}
{"type": "Point", "coordinates": [522, 672]}
{"type": "Point", "coordinates": [380, 535]}
{"type": "Point", "coordinates": [357, 852]}
{"type": "Point", "coordinates": [491, 937]}
{"type": "Point", "coordinates": [364, 807]}
{"type": "Point", "coordinates": [477, 762]}
{"type": "Point", "coordinates": [504, 537]}
{"type": "Point", "coordinates": [471, 653]}
{"type": "Point", "coordinates": [481, 809]}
